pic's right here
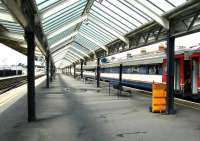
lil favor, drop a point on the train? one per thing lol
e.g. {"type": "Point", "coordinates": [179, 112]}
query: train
{"type": "Point", "coordinates": [10, 72]}
{"type": "Point", "coordinates": [21, 69]}
{"type": "Point", "coordinates": [140, 71]}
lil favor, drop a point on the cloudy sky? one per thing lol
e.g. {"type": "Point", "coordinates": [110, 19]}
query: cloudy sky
{"type": "Point", "coordinates": [9, 56]}
{"type": "Point", "coordinates": [186, 41]}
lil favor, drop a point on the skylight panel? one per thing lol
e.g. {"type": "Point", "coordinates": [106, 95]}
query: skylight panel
{"type": "Point", "coordinates": [163, 4]}
{"type": "Point", "coordinates": [58, 8]}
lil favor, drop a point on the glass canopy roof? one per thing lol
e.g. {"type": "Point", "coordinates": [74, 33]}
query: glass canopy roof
{"type": "Point", "coordinates": [88, 25]}
{"type": "Point", "coordinates": [11, 31]}
{"type": "Point", "coordinates": [106, 21]}
{"type": "Point", "coordinates": [8, 22]}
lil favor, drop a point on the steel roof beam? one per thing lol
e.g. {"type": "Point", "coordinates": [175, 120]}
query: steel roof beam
{"type": "Point", "coordinates": [13, 7]}
{"type": "Point", "coordinates": [159, 19]}
{"type": "Point", "coordinates": [86, 11]}
{"type": "Point", "coordinates": [85, 47]}
{"type": "Point", "coordinates": [6, 17]}
{"type": "Point", "coordinates": [52, 10]}
{"type": "Point", "coordinates": [76, 54]}
{"type": "Point", "coordinates": [64, 28]}
{"type": "Point", "coordinates": [68, 60]}
{"type": "Point", "coordinates": [64, 39]}
{"type": "Point", "coordinates": [94, 41]}
{"type": "Point", "coordinates": [60, 60]}
{"type": "Point", "coordinates": [75, 58]}
{"type": "Point", "coordinates": [12, 36]}
{"type": "Point", "coordinates": [57, 53]}
{"type": "Point", "coordinates": [60, 47]}
{"type": "Point", "coordinates": [109, 29]}
{"type": "Point", "coordinates": [73, 47]}
{"type": "Point", "coordinates": [16, 11]}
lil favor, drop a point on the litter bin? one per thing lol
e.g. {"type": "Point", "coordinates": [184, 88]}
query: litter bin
{"type": "Point", "coordinates": [159, 93]}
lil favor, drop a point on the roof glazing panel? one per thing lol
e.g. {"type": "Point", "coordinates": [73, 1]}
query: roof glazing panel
{"type": "Point", "coordinates": [56, 14]}
{"type": "Point", "coordinates": [107, 19]}
{"type": "Point", "coordinates": [65, 11]}
{"type": "Point", "coordinates": [92, 34]}
{"type": "Point", "coordinates": [42, 4]}
{"type": "Point", "coordinates": [86, 42]}
{"type": "Point", "coordinates": [60, 36]}
{"type": "Point", "coordinates": [80, 47]}
{"type": "Point", "coordinates": [7, 21]}
{"type": "Point", "coordinates": [75, 51]}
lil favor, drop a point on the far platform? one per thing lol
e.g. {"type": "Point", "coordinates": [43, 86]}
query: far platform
{"type": "Point", "coordinates": [73, 111]}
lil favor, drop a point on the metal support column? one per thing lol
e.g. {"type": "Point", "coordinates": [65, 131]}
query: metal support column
{"type": "Point", "coordinates": [51, 72]}
{"type": "Point", "coordinates": [74, 65]}
{"type": "Point", "coordinates": [29, 34]}
{"type": "Point", "coordinates": [120, 78]}
{"type": "Point", "coordinates": [47, 69]}
{"type": "Point", "coordinates": [98, 72]}
{"type": "Point", "coordinates": [54, 71]}
{"type": "Point", "coordinates": [170, 70]}
{"type": "Point", "coordinates": [70, 70]}
{"type": "Point", "coordinates": [81, 69]}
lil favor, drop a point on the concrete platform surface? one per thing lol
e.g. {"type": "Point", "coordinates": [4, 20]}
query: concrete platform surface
{"type": "Point", "coordinates": [73, 111]}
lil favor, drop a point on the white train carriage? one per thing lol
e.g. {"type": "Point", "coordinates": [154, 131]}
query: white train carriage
{"type": "Point", "coordinates": [143, 69]}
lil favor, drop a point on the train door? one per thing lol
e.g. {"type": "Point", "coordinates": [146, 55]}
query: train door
{"type": "Point", "coordinates": [195, 72]}
{"type": "Point", "coordinates": [187, 76]}
{"type": "Point", "coordinates": [164, 73]}
{"type": "Point", "coordinates": [177, 75]}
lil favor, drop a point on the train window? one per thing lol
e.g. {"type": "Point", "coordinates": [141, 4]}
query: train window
{"type": "Point", "coordinates": [155, 69]}
{"type": "Point", "coordinates": [165, 67]}
{"type": "Point", "coordinates": [152, 69]}
{"type": "Point", "coordinates": [127, 69]}
{"type": "Point", "coordinates": [143, 69]}
{"type": "Point", "coordinates": [160, 69]}
{"type": "Point", "coordinates": [110, 70]}
{"type": "Point", "coordinates": [135, 69]}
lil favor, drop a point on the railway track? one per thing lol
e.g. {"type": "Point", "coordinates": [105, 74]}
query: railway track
{"type": "Point", "coordinates": [13, 82]}
{"type": "Point", "coordinates": [177, 101]}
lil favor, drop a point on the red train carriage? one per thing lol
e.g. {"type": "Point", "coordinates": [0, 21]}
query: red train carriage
{"type": "Point", "coordinates": [186, 74]}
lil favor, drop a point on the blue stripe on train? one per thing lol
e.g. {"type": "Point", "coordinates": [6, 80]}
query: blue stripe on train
{"type": "Point", "coordinates": [129, 83]}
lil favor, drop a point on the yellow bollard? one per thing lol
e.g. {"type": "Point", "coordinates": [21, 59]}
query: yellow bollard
{"type": "Point", "coordinates": [158, 97]}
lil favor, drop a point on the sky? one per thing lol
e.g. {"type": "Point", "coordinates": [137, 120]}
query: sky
{"type": "Point", "coordinates": [9, 56]}
{"type": "Point", "coordinates": [186, 41]}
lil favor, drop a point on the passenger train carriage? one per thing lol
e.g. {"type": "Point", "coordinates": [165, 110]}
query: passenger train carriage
{"type": "Point", "coordinates": [142, 70]}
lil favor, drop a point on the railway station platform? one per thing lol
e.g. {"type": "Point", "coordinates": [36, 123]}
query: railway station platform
{"type": "Point", "coordinates": [71, 110]}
